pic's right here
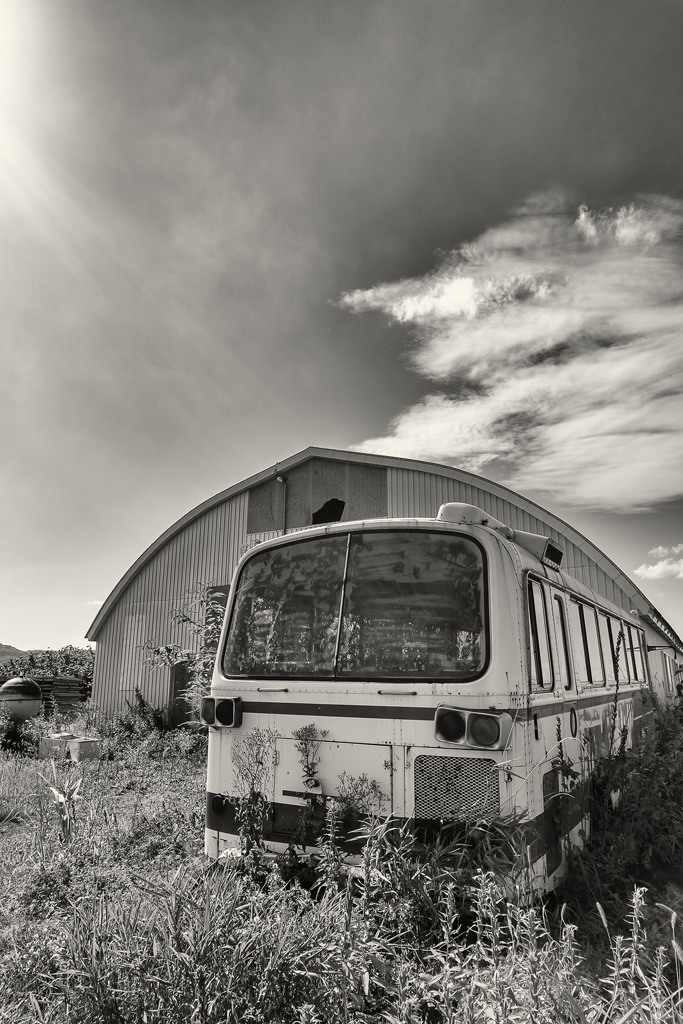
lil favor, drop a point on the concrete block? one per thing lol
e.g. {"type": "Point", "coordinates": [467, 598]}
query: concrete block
{"type": "Point", "coordinates": [55, 745]}
{"type": "Point", "coordinates": [85, 748]}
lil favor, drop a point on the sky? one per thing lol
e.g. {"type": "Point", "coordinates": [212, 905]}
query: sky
{"type": "Point", "coordinates": [231, 229]}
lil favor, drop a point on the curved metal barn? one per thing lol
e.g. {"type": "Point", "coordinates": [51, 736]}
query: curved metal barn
{"type": "Point", "coordinates": [317, 485]}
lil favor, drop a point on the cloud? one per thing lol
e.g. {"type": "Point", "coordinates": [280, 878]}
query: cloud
{"type": "Point", "coordinates": [555, 340]}
{"type": "Point", "coordinates": [665, 567]}
{"type": "Point", "coordinates": [660, 551]}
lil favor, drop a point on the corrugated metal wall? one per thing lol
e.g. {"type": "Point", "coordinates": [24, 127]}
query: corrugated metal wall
{"type": "Point", "coordinates": [206, 551]}
{"type": "Point", "coordinates": [413, 493]}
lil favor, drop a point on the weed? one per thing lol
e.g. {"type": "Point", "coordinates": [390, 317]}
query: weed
{"type": "Point", "coordinates": [637, 823]}
{"type": "Point", "coordinates": [200, 617]}
{"type": "Point", "coordinates": [65, 793]}
{"type": "Point", "coordinates": [254, 764]}
{"type": "Point", "coordinates": [307, 742]}
{"type": "Point", "coordinates": [124, 922]}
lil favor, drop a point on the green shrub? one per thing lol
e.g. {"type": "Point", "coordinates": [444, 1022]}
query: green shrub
{"type": "Point", "coordinates": [636, 822]}
{"type": "Point", "coordinates": [123, 921]}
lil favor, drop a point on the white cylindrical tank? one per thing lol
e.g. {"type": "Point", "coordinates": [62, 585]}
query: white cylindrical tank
{"type": "Point", "coordinates": [20, 698]}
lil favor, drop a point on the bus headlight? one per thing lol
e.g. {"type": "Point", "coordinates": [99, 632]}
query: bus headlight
{"type": "Point", "coordinates": [225, 712]}
{"type": "Point", "coordinates": [207, 711]}
{"type": "Point", "coordinates": [450, 725]}
{"type": "Point", "coordinates": [484, 730]}
{"type": "Point", "coordinates": [229, 712]}
{"type": "Point", "coordinates": [472, 728]}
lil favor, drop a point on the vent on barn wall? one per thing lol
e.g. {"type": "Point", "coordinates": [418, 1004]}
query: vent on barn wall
{"type": "Point", "coordinates": [330, 512]}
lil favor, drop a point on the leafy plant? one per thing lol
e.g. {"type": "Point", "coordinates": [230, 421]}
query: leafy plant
{"type": "Point", "coordinates": [307, 742]}
{"type": "Point", "coordinates": [253, 758]}
{"type": "Point", "coordinates": [75, 662]}
{"type": "Point", "coordinates": [65, 793]}
{"type": "Point", "coordinates": [200, 616]}
{"type": "Point", "coordinates": [636, 823]}
{"type": "Point", "coordinates": [358, 797]}
{"type": "Point", "coordinates": [125, 922]}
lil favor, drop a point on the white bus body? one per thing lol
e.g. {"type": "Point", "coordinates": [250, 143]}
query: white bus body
{"type": "Point", "coordinates": [449, 662]}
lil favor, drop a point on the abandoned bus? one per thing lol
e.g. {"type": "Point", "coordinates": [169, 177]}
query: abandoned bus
{"type": "Point", "coordinates": [436, 671]}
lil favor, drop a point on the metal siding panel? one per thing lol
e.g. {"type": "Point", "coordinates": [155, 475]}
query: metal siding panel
{"type": "Point", "coordinates": [392, 484]}
{"type": "Point", "coordinates": [510, 517]}
{"type": "Point", "coordinates": [477, 496]}
{"type": "Point", "coordinates": [107, 653]}
{"type": "Point", "coordinates": [395, 502]}
{"type": "Point", "coordinates": [116, 663]}
{"type": "Point", "coordinates": [209, 547]}
{"type": "Point", "coordinates": [107, 660]}
{"type": "Point", "coordinates": [206, 551]}
{"type": "Point", "coordinates": [117, 666]}
{"type": "Point", "coordinates": [503, 511]}
{"type": "Point", "coordinates": [211, 555]}
{"type": "Point", "coordinates": [430, 498]}
{"type": "Point", "coordinates": [600, 582]}
{"type": "Point", "coordinates": [412, 495]}
{"type": "Point", "coordinates": [485, 501]}
{"type": "Point", "coordinates": [536, 525]}
{"type": "Point", "coordinates": [577, 560]}
{"type": "Point", "coordinates": [425, 499]}
{"type": "Point", "coordinates": [405, 496]}
{"type": "Point", "coordinates": [434, 496]}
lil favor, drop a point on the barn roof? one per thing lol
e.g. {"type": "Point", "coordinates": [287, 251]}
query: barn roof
{"type": "Point", "coordinates": [641, 602]}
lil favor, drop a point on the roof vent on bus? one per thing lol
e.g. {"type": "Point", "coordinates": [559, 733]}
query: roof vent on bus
{"type": "Point", "coordinates": [470, 515]}
{"type": "Point", "coordinates": [542, 547]}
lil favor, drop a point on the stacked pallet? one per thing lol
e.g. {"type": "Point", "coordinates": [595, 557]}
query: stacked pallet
{"type": "Point", "coordinates": [65, 693]}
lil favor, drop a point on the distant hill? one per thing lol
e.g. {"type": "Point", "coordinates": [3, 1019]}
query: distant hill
{"type": "Point", "coordinates": [7, 652]}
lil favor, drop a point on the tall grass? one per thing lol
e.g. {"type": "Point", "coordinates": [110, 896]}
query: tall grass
{"type": "Point", "coordinates": [212, 946]}
{"type": "Point", "coordinates": [119, 919]}
{"type": "Point", "coordinates": [637, 831]}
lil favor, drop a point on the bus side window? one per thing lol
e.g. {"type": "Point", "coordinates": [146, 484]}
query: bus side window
{"type": "Point", "coordinates": [642, 654]}
{"type": "Point", "coordinates": [587, 653]}
{"type": "Point", "coordinates": [607, 648]}
{"type": "Point", "coordinates": [564, 660]}
{"type": "Point", "coordinates": [595, 666]}
{"type": "Point", "coordinates": [579, 645]}
{"type": "Point", "coordinates": [668, 665]}
{"type": "Point", "coordinates": [619, 648]}
{"type": "Point", "coordinates": [635, 651]}
{"type": "Point", "coordinates": [541, 663]}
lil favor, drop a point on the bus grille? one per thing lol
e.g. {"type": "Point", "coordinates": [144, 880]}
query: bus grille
{"type": "Point", "coordinates": [455, 788]}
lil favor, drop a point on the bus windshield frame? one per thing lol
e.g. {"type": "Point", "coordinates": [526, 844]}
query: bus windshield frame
{"type": "Point", "coordinates": [397, 604]}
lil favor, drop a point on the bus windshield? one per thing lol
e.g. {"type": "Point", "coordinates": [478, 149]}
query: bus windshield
{"type": "Point", "coordinates": [411, 602]}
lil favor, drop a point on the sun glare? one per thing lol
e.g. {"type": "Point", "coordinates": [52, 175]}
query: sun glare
{"type": "Point", "coordinates": [18, 95]}
{"type": "Point", "coordinates": [18, 54]}
{"type": "Point", "coordinates": [29, 189]}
